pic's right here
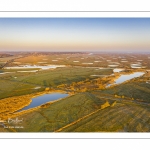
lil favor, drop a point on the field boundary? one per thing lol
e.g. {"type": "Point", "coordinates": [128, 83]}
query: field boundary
{"type": "Point", "coordinates": [82, 118]}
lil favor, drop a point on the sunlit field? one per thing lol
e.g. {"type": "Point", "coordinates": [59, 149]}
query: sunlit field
{"type": "Point", "coordinates": [92, 105]}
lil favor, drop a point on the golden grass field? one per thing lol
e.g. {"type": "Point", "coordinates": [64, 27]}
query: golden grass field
{"type": "Point", "coordinates": [90, 106]}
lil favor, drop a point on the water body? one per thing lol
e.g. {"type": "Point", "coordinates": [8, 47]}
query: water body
{"type": "Point", "coordinates": [36, 66]}
{"type": "Point", "coordinates": [6, 72]}
{"type": "Point", "coordinates": [113, 65]}
{"type": "Point", "coordinates": [137, 65]}
{"type": "Point", "coordinates": [28, 71]}
{"type": "Point", "coordinates": [37, 101]}
{"type": "Point", "coordinates": [126, 77]}
{"type": "Point", "coordinates": [118, 70]}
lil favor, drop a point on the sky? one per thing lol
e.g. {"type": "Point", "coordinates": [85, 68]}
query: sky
{"type": "Point", "coordinates": [75, 34]}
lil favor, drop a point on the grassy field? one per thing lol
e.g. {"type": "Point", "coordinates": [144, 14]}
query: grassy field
{"type": "Point", "coordinates": [137, 90]}
{"type": "Point", "coordinates": [62, 76]}
{"type": "Point", "coordinates": [124, 116]}
{"type": "Point", "coordinates": [9, 105]}
{"type": "Point", "coordinates": [60, 113]}
{"type": "Point", "coordinates": [9, 88]}
{"type": "Point", "coordinates": [92, 108]}
{"type": "Point", "coordinates": [13, 84]}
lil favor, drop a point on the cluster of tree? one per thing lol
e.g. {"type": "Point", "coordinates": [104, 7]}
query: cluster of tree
{"type": "Point", "coordinates": [86, 85]}
{"type": "Point", "coordinates": [106, 104]}
{"type": "Point", "coordinates": [122, 96]}
{"type": "Point", "coordinates": [119, 96]}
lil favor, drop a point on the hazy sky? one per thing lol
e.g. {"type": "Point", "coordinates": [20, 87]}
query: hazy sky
{"type": "Point", "coordinates": [75, 34]}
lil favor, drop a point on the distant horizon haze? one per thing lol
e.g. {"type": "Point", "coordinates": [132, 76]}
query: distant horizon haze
{"type": "Point", "coordinates": [75, 34]}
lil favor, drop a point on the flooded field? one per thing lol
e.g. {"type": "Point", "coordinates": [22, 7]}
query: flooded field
{"type": "Point", "coordinates": [36, 66]}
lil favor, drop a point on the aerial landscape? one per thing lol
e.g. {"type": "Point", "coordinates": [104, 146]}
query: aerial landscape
{"type": "Point", "coordinates": [75, 75]}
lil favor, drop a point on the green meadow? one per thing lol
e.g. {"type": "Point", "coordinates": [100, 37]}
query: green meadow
{"type": "Point", "coordinates": [15, 84]}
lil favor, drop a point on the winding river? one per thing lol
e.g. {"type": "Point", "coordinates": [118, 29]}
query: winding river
{"type": "Point", "coordinates": [126, 77]}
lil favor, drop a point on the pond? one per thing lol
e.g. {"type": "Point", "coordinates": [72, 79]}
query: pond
{"type": "Point", "coordinates": [126, 77]}
{"type": "Point", "coordinates": [113, 65]}
{"type": "Point", "coordinates": [118, 70]}
{"type": "Point", "coordinates": [37, 101]}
